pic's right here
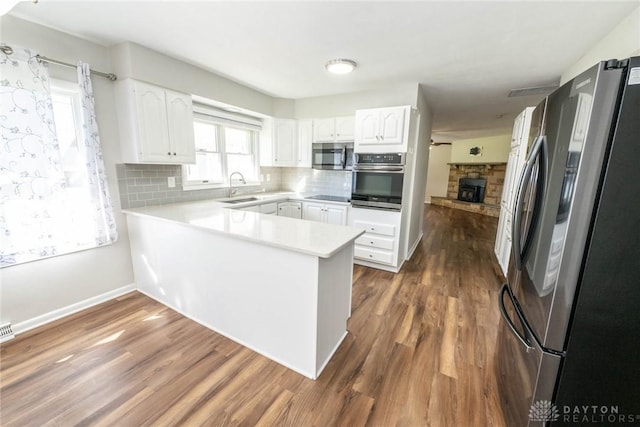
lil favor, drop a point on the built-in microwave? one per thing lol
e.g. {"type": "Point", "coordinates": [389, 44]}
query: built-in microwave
{"type": "Point", "coordinates": [378, 180]}
{"type": "Point", "coordinates": [332, 156]}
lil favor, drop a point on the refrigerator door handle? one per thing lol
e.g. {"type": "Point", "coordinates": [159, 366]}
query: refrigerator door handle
{"type": "Point", "coordinates": [539, 152]}
{"type": "Point", "coordinates": [503, 310]}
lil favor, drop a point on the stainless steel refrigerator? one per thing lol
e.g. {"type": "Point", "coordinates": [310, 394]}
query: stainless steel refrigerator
{"type": "Point", "coordinates": [568, 348]}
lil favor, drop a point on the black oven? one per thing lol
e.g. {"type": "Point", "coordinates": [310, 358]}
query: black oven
{"type": "Point", "coordinates": [332, 156]}
{"type": "Point", "coordinates": [378, 181]}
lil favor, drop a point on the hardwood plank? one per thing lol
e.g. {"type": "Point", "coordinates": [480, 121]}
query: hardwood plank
{"type": "Point", "coordinates": [449, 340]}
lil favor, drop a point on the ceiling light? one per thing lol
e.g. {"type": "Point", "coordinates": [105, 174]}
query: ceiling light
{"type": "Point", "coordinates": [340, 66]}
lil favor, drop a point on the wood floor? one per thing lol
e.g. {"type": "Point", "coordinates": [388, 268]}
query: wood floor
{"type": "Point", "coordinates": [418, 353]}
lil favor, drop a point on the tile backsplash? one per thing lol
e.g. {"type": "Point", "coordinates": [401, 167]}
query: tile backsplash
{"type": "Point", "coordinates": [146, 185]}
{"type": "Point", "coordinates": [305, 180]}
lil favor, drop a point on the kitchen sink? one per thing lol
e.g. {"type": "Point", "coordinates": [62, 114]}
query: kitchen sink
{"type": "Point", "coordinates": [246, 199]}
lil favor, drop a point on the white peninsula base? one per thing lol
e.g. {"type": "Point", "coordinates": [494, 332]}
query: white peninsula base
{"type": "Point", "coordinates": [289, 306]}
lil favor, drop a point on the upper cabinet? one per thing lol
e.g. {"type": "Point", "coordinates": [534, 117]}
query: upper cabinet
{"type": "Point", "coordinates": [305, 138]}
{"type": "Point", "coordinates": [156, 124]}
{"type": "Point", "coordinates": [382, 129]}
{"type": "Point", "coordinates": [284, 142]}
{"type": "Point", "coordinates": [334, 129]}
{"type": "Point", "coordinates": [287, 143]}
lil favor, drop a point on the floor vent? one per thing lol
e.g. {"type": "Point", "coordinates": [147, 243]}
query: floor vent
{"type": "Point", "coordinates": [6, 333]}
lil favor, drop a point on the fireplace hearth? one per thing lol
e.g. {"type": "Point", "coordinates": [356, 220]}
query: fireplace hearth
{"type": "Point", "coordinates": [471, 189]}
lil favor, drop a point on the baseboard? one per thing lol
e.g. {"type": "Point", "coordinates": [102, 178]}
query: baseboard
{"type": "Point", "coordinates": [328, 359]}
{"type": "Point", "coordinates": [415, 246]}
{"type": "Point", "coordinates": [27, 325]}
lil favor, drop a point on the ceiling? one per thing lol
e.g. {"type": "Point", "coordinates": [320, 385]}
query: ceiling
{"type": "Point", "coordinates": [467, 55]}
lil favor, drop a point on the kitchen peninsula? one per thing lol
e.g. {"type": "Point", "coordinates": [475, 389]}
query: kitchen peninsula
{"type": "Point", "coordinates": [280, 286]}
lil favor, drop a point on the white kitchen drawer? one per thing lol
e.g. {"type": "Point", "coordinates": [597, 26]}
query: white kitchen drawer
{"type": "Point", "coordinates": [374, 241]}
{"type": "Point", "coordinates": [375, 255]}
{"type": "Point", "coordinates": [377, 228]}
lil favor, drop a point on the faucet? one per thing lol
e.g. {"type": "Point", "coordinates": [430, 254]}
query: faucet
{"type": "Point", "coordinates": [235, 190]}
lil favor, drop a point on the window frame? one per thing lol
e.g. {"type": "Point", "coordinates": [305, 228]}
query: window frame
{"type": "Point", "coordinates": [188, 185]}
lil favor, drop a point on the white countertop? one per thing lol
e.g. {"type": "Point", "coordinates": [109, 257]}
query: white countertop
{"type": "Point", "coordinates": [310, 237]}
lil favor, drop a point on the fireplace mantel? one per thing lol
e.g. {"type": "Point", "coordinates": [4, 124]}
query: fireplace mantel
{"type": "Point", "coordinates": [488, 165]}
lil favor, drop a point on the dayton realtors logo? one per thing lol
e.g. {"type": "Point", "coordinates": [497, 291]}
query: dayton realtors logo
{"type": "Point", "coordinates": [545, 411]}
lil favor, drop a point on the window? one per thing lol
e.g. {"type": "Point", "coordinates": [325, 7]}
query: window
{"type": "Point", "coordinates": [53, 209]}
{"type": "Point", "coordinates": [222, 147]}
{"type": "Point", "coordinates": [74, 216]}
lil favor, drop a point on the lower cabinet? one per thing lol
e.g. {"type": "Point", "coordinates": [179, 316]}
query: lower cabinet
{"type": "Point", "coordinates": [379, 245]}
{"type": "Point", "coordinates": [290, 209]}
{"type": "Point", "coordinates": [330, 213]}
{"type": "Point", "coordinates": [255, 208]}
{"type": "Point", "coordinates": [269, 208]}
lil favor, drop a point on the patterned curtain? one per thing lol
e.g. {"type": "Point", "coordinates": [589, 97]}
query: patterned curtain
{"type": "Point", "coordinates": [103, 210]}
{"type": "Point", "coordinates": [31, 180]}
{"type": "Point", "coordinates": [46, 209]}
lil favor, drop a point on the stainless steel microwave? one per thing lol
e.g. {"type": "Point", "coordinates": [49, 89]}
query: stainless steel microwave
{"type": "Point", "coordinates": [332, 156]}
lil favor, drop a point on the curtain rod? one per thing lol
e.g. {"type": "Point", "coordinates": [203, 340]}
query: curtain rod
{"type": "Point", "coordinates": [7, 50]}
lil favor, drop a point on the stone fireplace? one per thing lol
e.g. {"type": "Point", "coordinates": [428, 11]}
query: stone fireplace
{"type": "Point", "coordinates": [492, 174]}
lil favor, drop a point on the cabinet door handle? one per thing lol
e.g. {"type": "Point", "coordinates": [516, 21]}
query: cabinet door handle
{"type": "Point", "coordinates": [169, 153]}
{"type": "Point", "coordinates": [372, 229]}
{"type": "Point", "coordinates": [174, 154]}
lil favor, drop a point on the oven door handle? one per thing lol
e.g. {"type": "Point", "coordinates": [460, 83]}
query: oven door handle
{"type": "Point", "coordinates": [378, 169]}
{"type": "Point", "coordinates": [343, 158]}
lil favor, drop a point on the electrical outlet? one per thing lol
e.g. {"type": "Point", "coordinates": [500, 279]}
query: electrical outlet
{"type": "Point", "coordinates": [171, 182]}
{"type": "Point", "coordinates": [268, 177]}
{"type": "Point", "coordinates": [261, 177]}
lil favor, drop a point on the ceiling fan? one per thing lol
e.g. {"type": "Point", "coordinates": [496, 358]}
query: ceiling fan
{"type": "Point", "coordinates": [437, 144]}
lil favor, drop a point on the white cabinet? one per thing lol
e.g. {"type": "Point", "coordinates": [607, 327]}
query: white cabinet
{"type": "Point", "coordinates": [379, 245]}
{"type": "Point", "coordinates": [254, 208]}
{"type": "Point", "coordinates": [334, 129]}
{"type": "Point", "coordinates": [156, 124]}
{"type": "Point", "coordinates": [270, 208]}
{"type": "Point", "coordinates": [284, 142]}
{"type": "Point", "coordinates": [290, 209]}
{"type": "Point", "coordinates": [381, 130]}
{"type": "Point", "coordinates": [304, 138]}
{"type": "Point", "coordinates": [329, 213]}
{"type": "Point", "coordinates": [515, 164]}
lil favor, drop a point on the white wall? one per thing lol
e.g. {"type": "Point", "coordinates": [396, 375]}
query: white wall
{"type": "Point", "coordinates": [622, 42]}
{"type": "Point", "coordinates": [135, 61]}
{"type": "Point", "coordinates": [36, 288]}
{"type": "Point", "coordinates": [438, 173]}
{"type": "Point", "coordinates": [422, 163]}
{"type": "Point", "coordinates": [346, 104]}
{"type": "Point", "coordinates": [495, 149]}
